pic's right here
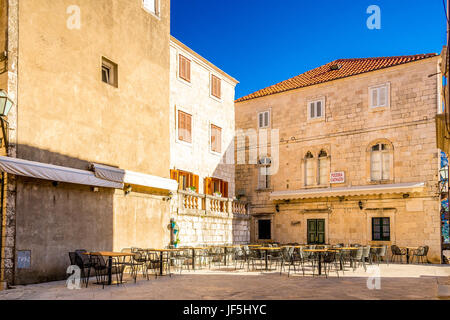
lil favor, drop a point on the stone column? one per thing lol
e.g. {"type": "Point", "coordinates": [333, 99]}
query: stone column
{"type": "Point", "coordinates": [9, 219]}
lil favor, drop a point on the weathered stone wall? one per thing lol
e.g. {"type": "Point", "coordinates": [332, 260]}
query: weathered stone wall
{"type": "Point", "coordinates": [196, 230]}
{"type": "Point", "coordinates": [346, 133]}
{"type": "Point", "coordinates": [195, 99]}
{"type": "Point", "coordinates": [70, 118]}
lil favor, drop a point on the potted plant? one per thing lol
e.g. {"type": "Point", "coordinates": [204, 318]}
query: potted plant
{"type": "Point", "coordinates": [192, 189]}
{"type": "Point", "coordinates": [217, 194]}
{"type": "Point", "coordinates": [176, 242]}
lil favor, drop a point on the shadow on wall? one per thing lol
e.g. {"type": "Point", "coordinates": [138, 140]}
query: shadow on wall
{"type": "Point", "coordinates": [53, 219]}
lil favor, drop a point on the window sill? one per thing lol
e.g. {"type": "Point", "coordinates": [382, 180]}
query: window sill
{"type": "Point", "coordinates": [215, 98]}
{"type": "Point", "coordinates": [378, 109]}
{"type": "Point", "coordinates": [184, 143]}
{"type": "Point", "coordinates": [315, 120]}
{"type": "Point", "coordinates": [188, 83]}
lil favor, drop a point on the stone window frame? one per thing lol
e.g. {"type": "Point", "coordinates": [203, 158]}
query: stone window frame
{"type": "Point", "coordinates": [267, 164]}
{"type": "Point", "coordinates": [369, 161]}
{"type": "Point", "coordinates": [388, 96]}
{"type": "Point", "coordinates": [328, 159]}
{"type": "Point", "coordinates": [321, 99]}
{"type": "Point", "coordinates": [256, 224]}
{"type": "Point", "coordinates": [157, 12]}
{"type": "Point", "coordinates": [269, 111]}
{"type": "Point", "coordinates": [315, 151]}
{"type": "Point", "coordinates": [113, 74]}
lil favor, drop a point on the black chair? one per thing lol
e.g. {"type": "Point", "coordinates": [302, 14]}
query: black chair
{"type": "Point", "coordinates": [81, 260]}
{"type": "Point", "coordinates": [102, 270]}
{"type": "Point", "coordinates": [239, 257]}
{"type": "Point", "coordinates": [397, 253]}
{"type": "Point", "coordinates": [329, 260]}
{"type": "Point", "coordinates": [286, 257]}
{"type": "Point", "coordinates": [357, 258]}
{"type": "Point", "coordinates": [298, 258]}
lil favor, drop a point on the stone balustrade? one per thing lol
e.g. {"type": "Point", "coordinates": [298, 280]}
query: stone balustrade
{"type": "Point", "coordinates": [197, 204]}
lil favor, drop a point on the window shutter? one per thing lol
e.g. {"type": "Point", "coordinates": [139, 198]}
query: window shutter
{"type": "Point", "coordinates": [174, 175]}
{"type": "Point", "coordinates": [208, 186]}
{"type": "Point", "coordinates": [225, 189]}
{"type": "Point", "coordinates": [219, 88]}
{"type": "Point", "coordinates": [309, 172]}
{"type": "Point", "coordinates": [196, 183]}
{"type": "Point", "coordinates": [188, 127]}
{"type": "Point", "coordinates": [266, 119]}
{"type": "Point", "coordinates": [323, 170]}
{"type": "Point", "coordinates": [382, 97]}
{"type": "Point", "coordinates": [319, 109]}
{"type": "Point", "coordinates": [261, 120]}
{"type": "Point", "coordinates": [386, 165]}
{"type": "Point", "coordinates": [188, 70]}
{"type": "Point", "coordinates": [374, 97]}
{"type": "Point", "coordinates": [376, 165]}
{"type": "Point", "coordinates": [312, 110]}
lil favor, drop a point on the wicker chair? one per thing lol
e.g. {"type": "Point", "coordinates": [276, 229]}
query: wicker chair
{"type": "Point", "coordinates": [397, 252]}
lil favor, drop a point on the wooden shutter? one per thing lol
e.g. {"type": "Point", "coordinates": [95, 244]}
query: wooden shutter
{"type": "Point", "coordinates": [312, 108]}
{"type": "Point", "coordinates": [216, 86]}
{"type": "Point", "coordinates": [261, 120]}
{"type": "Point", "coordinates": [309, 171]}
{"type": "Point", "coordinates": [266, 119]}
{"type": "Point", "coordinates": [208, 186]}
{"type": "Point", "coordinates": [196, 182]}
{"type": "Point", "coordinates": [184, 126]}
{"type": "Point", "coordinates": [386, 163]}
{"type": "Point", "coordinates": [224, 189]}
{"type": "Point", "coordinates": [185, 68]}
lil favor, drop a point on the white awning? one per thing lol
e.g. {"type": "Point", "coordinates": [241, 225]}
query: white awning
{"type": "Point", "coordinates": [53, 173]}
{"type": "Point", "coordinates": [348, 191]}
{"type": "Point", "coordinates": [131, 177]}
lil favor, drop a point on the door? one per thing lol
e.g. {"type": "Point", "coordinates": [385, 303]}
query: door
{"type": "Point", "coordinates": [316, 231]}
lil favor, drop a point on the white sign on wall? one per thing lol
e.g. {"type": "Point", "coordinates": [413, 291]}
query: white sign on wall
{"type": "Point", "coordinates": [337, 177]}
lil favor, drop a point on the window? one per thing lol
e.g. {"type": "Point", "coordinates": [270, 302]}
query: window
{"type": "Point", "coordinates": [213, 185]}
{"type": "Point", "coordinates": [184, 68]}
{"type": "Point", "coordinates": [324, 168]}
{"type": "Point", "coordinates": [381, 229]}
{"type": "Point", "coordinates": [379, 96]}
{"type": "Point", "coordinates": [216, 86]}
{"type": "Point", "coordinates": [151, 6]}
{"type": "Point", "coordinates": [380, 162]}
{"type": "Point", "coordinates": [316, 109]}
{"type": "Point", "coordinates": [109, 72]}
{"type": "Point", "coordinates": [184, 127]}
{"type": "Point", "coordinates": [216, 139]}
{"type": "Point", "coordinates": [263, 119]}
{"type": "Point", "coordinates": [264, 173]}
{"type": "Point", "coordinates": [309, 169]}
{"type": "Point", "coordinates": [185, 179]}
{"type": "Point", "coordinates": [264, 229]}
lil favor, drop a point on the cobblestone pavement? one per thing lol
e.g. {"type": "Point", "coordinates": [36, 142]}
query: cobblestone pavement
{"type": "Point", "coordinates": [396, 282]}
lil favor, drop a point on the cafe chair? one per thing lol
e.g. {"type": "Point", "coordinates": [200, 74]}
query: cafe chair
{"type": "Point", "coordinates": [397, 253]}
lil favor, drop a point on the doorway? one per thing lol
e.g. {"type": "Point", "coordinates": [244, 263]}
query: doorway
{"type": "Point", "coordinates": [316, 231]}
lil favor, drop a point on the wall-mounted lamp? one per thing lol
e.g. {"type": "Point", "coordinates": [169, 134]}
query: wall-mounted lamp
{"type": "Point", "coordinates": [128, 190]}
{"type": "Point", "coordinates": [406, 195]}
{"type": "Point", "coordinates": [6, 103]}
{"type": "Point", "coordinates": [277, 207]}
{"type": "Point", "coordinates": [55, 183]}
{"type": "Point", "coordinates": [360, 203]}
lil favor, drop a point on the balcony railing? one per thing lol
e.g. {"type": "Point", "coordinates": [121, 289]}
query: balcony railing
{"type": "Point", "coordinates": [194, 203]}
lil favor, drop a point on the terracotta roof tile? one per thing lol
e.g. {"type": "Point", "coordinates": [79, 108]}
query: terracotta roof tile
{"type": "Point", "coordinates": [347, 68]}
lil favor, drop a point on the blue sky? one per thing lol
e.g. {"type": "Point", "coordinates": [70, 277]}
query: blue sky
{"type": "Point", "coordinates": [262, 42]}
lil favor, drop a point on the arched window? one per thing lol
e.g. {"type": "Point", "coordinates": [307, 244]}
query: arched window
{"type": "Point", "coordinates": [380, 162]}
{"type": "Point", "coordinates": [264, 173]}
{"type": "Point", "coordinates": [309, 169]}
{"type": "Point", "coordinates": [323, 168]}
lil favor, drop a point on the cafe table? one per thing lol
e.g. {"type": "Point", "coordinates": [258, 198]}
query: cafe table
{"type": "Point", "coordinates": [161, 257]}
{"type": "Point", "coordinates": [226, 252]}
{"type": "Point", "coordinates": [407, 252]}
{"type": "Point", "coordinates": [110, 255]}
{"type": "Point", "coordinates": [194, 254]}
{"type": "Point", "coordinates": [319, 251]}
{"type": "Point", "coordinates": [266, 250]}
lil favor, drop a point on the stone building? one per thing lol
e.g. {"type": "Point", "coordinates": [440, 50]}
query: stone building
{"type": "Point", "coordinates": [202, 150]}
{"type": "Point", "coordinates": [354, 157]}
{"type": "Point", "coordinates": [89, 88]}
